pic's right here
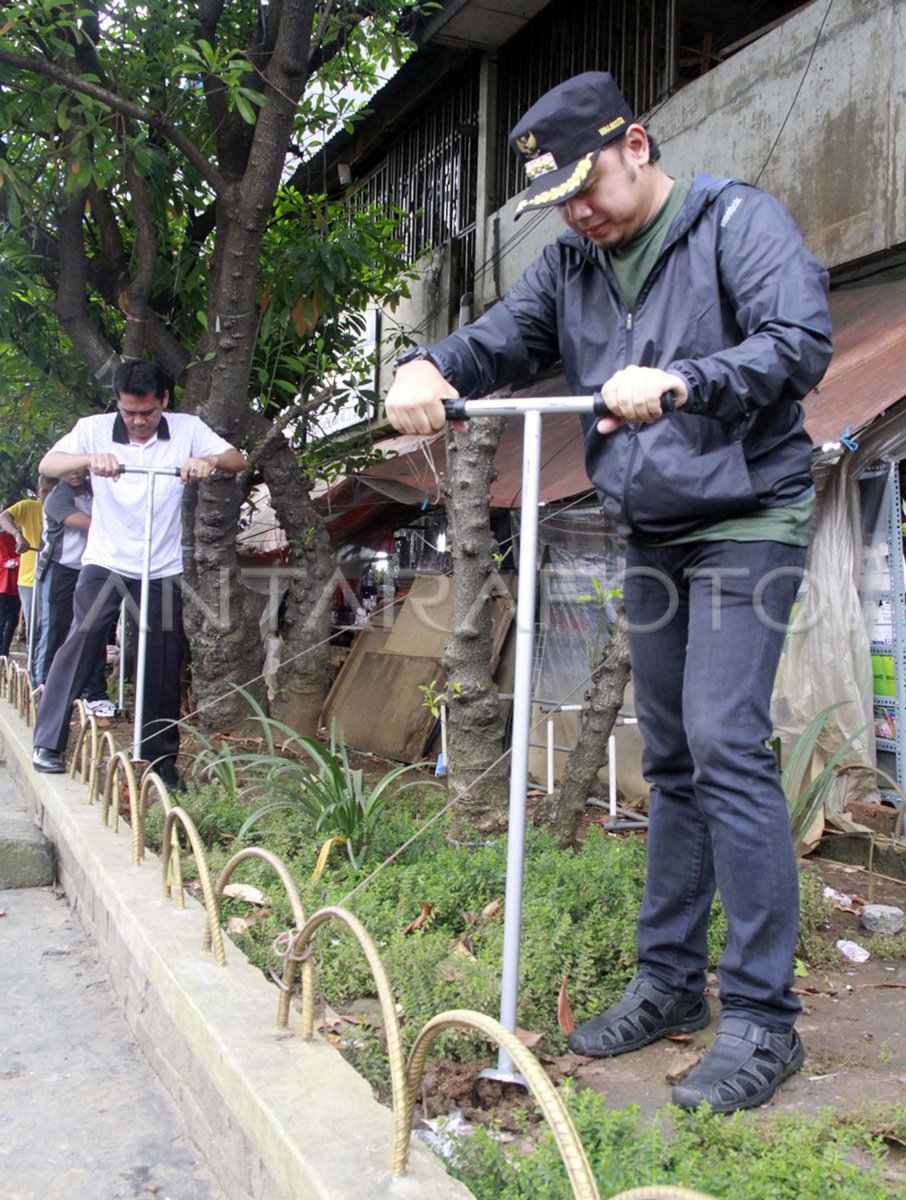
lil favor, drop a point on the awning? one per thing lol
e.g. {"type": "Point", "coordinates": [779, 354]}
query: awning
{"type": "Point", "coordinates": [868, 371]}
{"type": "Point", "coordinates": [866, 376]}
{"type": "Point", "coordinates": [413, 474]}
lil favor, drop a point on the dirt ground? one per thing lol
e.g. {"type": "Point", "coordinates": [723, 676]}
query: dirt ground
{"type": "Point", "coordinates": [853, 1025]}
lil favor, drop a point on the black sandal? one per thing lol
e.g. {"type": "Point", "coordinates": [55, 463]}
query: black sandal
{"type": "Point", "coordinates": [744, 1066]}
{"type": "Point", "coordinates": [645, 1013]}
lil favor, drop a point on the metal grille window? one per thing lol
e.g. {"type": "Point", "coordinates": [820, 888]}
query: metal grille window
{"type": "Point", "coordinates": [635, 40]}
{"type": "Point", "coordinates": [430, 173]}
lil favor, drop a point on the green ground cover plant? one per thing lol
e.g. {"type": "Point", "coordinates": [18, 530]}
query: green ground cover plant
{"type": "Point", "coordinates": [742, 1157]}
{"type": "Point", "coordinates": [436, 915]}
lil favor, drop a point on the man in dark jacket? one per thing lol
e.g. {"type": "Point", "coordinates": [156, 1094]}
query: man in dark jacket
{"type": "Point", "coordinates": [703, 292]}
{"type": "Point", "coordinates": [67, 519]}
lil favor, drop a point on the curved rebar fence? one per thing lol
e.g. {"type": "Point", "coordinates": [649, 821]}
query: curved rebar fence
{"type": "Point", "coordinates": [179, 816]}
{"type": "Point", "coordinates": [92, 752]}
{"type": "Point", "coordinates": [86, 758]}
{"type": "Point", "coordinates": [402, 1125]}
{"type": "Point", "coordinates": [544, 1092]}
{"type": "Point", "coordinates": [292, 892]}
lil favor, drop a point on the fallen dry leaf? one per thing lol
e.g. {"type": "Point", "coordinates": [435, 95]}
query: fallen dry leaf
{"type": "Point", "coordinates": [463, 946]}
{"type": "Point", "coordinates": [331, 1019]}
{"type": "Point", "coordinates": [678, 1037]}
{"type": "Point", "coordinates": [528, 1038]}
{"type": "Point", "coordinates": [682, 1067]}
{"type": "Point", "coordinates": [564, 1013]}
{"type": "Point", "coordinates": [244, 891]}
{"type": "Point", "coordinates": [492, 909]}
{"type": "Point", "coordinates": [419, 920]}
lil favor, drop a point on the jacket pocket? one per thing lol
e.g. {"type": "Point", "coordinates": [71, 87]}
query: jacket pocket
{"type": "Point", "coordinates": [675, 485]}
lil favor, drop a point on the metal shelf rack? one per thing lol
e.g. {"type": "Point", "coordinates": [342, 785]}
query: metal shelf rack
{"type": "Point", "coordinates": [890, 710]}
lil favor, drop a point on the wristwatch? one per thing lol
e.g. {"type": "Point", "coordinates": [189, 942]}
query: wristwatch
{"type": "Point", "coordinates": [414, 353]}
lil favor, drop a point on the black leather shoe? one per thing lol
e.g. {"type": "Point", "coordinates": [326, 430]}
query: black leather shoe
{"type": "Point", "coordinates": [645, 1013]}
{"type": "Point", "coordinates": [744, 1066]}
{"type": "Point", "coordinates": [48, 761]}
{"type": "Point", "coordinates": [166, 770]}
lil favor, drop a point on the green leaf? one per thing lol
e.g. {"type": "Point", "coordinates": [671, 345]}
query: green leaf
{"type": "Point", "coordinates": [244, 108]}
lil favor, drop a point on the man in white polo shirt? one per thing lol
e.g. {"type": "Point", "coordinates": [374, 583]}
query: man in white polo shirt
{"type": "Point", "coordinates": [138, 434]}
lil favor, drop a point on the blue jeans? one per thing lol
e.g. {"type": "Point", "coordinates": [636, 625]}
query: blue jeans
{"type": "Point", "coordinates": [707, 626]}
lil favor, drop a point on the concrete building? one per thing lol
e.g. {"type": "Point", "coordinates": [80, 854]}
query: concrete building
{"type": "Point", "coordinates": [804, 100]}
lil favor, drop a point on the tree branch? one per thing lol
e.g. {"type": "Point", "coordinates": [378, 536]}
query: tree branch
{"type": "Point", "coordinates": [72, 308]}
{"type": "Point", "coordinates": [257, 453]}
{"type": "Point", "coordinates": [139, 112]}
{"type": "Point", "coordinates": [138, 292]}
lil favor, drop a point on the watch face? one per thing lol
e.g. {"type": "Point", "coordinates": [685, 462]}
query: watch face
{"type": "Point", "coordinates": [411, 355]}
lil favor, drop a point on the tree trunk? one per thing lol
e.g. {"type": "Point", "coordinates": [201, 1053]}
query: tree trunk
{"type": "Point", "coordinates": [477, 772]}
{"type": "Point", "coordinates": [565, 808]}
{"type": "Point", "coordinates": [306, 621]}
{"type": "Point", "coordinates": [220, 614]}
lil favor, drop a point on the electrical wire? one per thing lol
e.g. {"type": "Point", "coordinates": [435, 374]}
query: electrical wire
{"type": "Point", "coordinates": [808, 66]}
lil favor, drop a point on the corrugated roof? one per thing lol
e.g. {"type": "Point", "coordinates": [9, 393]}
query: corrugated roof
{"type": "Point", "coordinates": [868, 371]}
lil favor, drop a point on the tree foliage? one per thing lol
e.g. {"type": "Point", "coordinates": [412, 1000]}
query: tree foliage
{"type": "Point", "coordinates": [151, 203]}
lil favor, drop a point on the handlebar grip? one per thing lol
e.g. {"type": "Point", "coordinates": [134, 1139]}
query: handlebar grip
{"type": "Point", "coordinates": [125, 470]}
{"type": "Point", "coordinates": [668, 404]}
{"type": "Point", "coordinates": [455, 410]}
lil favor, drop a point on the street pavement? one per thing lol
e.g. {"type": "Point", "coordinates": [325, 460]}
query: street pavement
{"type": "Point", "coordinates": [82, 1116]}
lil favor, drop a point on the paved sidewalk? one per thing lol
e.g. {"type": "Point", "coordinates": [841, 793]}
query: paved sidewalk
{"type": "Point", "coordinates": [82, 1117]}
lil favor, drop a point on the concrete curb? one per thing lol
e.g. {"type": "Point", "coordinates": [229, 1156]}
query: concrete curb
{"type": "Point", "coordinates": [278, 1118]}
{"type": "Point", "coordinates": [26, 860]}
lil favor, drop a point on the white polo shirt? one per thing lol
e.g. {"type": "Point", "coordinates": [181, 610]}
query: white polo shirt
{"type": "Point", "coordinates": [117, 534]}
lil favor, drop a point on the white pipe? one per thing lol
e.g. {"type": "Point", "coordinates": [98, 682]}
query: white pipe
{"type": "Point", "coordinates": [121, 691]}
{"type": "Point", "coordinates": [522, 713]}
{"type": "Point", "coordinates": [550, 755]}
{"type": "Point", "coordinates": [141, 653]}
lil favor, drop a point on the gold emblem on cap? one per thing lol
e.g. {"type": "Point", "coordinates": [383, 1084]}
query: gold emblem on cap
{"type": "Point", "coordinates": [614, 124]}
{"type": "Point", "coordinates": [580, 171]}
{"type": "Point", "coordinates": [527, 144]}
{"type": "Point", "coordinates": [542, 165]}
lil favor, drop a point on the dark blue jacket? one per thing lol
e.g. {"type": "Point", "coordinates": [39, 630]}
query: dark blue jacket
{"type": "Point", "coordinates": [735, 304]}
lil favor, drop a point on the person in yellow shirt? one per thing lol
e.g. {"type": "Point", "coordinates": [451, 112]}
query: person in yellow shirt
{"type": "Point", "coordinates": [24, 520]}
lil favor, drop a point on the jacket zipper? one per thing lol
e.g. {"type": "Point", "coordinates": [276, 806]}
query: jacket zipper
{"type": "Point", "coordinates": [631, 431]}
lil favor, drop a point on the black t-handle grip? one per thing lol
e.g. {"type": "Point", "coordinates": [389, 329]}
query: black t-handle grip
{"type": "Point", "coordinates": [455, 410]}
{"type": "Point", "coordinates": [600, 409]}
